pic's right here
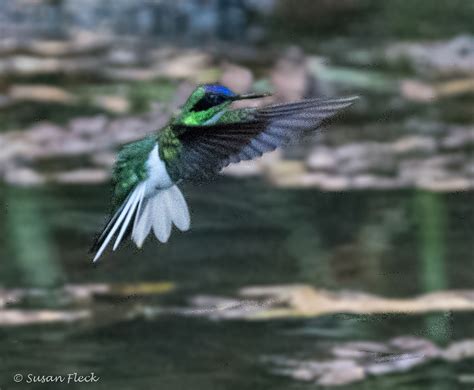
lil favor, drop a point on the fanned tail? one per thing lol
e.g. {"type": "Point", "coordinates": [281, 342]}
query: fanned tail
{"type": "Point", "coordinates": [158, 211]}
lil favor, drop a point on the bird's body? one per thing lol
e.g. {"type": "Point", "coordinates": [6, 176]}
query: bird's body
{"type": "Point", "coordinates": [203, 138]}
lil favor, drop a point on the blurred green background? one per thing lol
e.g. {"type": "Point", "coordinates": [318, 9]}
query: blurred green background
{"type": "Point", "coordinates": [377, 206]}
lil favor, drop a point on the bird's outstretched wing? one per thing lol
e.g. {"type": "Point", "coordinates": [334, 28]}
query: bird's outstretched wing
{"type": "Point", "coordinates": [207, 149]}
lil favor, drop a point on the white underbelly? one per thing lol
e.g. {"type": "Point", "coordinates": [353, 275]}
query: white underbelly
{"type": "Point", "coordinates": [158, 177]}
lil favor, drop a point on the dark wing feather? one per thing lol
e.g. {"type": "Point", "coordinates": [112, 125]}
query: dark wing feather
{"type": "Point", "coordinates": [209, 148]}
{"type": "Point", "coordinates": [285, 122]}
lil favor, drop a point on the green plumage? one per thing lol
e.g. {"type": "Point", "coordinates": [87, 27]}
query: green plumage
{"type": "Point", "coordinates": [236, 116]}
{"type": "Point", "coordinates": [130, 168]}
{"type": "Point", "coordinates": [170, 149]}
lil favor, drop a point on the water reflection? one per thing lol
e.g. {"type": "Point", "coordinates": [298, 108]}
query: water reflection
{"type": "Point", "coordinates": [30, 243]}
{"type": "Point", "coordinates": [383, 243]}
{"type": "Point", "coordinates": [244, 233]}
{"type": "Point", "coordinates": [431, 216]}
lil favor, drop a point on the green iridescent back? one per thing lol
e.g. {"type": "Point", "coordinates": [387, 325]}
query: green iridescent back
{"type": "Point", "coordinates": [130, 168]}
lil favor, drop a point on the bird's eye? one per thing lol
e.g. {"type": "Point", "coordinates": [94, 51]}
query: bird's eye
{"type": "Point", "coordinates": [208, 101]}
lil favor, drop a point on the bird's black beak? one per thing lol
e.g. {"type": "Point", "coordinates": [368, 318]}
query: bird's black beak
{"type": "Point", "coordinates": [251, 96]}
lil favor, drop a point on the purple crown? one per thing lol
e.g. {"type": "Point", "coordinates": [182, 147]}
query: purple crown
{"type": "Point", "coordinates": [219, 89]}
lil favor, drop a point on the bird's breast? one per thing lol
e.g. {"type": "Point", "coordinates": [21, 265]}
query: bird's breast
{"type": "Point", "coordinates": [158, 177]}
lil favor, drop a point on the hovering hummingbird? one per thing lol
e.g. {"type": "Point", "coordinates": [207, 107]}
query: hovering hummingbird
{"type": "Point", "coordinates": [204, 137]}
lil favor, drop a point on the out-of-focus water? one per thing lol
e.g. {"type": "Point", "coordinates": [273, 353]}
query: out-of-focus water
{"type": "Point", "coordinates": [244, 233]}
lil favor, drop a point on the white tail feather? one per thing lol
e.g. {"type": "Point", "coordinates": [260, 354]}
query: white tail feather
{"type": "Point", "coordinates": [130, 201]}
{"type": "Point", "coordinates": [179, 209]}
{"type": "Point", "coordinates": [161, 218]}
{"type": "Point", "coordinates": [143, 222]}
{"type": "Point", "coordinates": [158, 211]}
{"type": "Point", "coordinates": [137, 199]}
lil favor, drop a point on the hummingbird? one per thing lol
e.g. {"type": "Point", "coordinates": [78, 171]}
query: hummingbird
{"type": "Point", "coordinates": [205, 136]}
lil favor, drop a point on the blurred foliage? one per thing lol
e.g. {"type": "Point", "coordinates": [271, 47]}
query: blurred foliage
{"type": "Point", "coordinates": [424, 19]}
{"type": "Point", "coordinates": [373, 19]}
{"type": "Point", "coordinates": [28, 113]}
{"type": "Point", "coordinates": [30, 239]}
{"type": "Point", "coordinates": [142, 93]}
{"type": "Point", "coordinates": [313, 17]}
{"type": "Point", "coordinates": [139, 94]}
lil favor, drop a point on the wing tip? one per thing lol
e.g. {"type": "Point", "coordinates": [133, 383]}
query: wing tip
{"type": "Point", "coordinates": [345, 101]}
{"type": "Point", "coordinates": [352, 99]}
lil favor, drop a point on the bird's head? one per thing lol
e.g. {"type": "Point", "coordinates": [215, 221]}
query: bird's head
{"type": "Point", "coordinates": [207, 101]}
